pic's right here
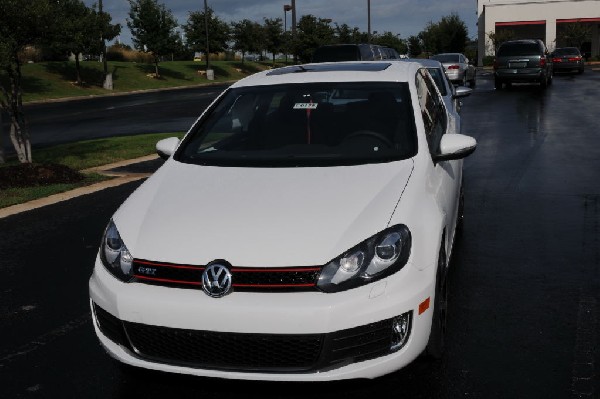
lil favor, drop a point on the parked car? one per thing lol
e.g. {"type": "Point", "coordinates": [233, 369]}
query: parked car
{"type": "Point", "coordinates": [347, 52]}
{"type": "Point", "coordinates": [301, 231]}
{"type": "Point", "coordinates": [519, 61]}
{"type": "Point", "coordinates": [567, 59]}
{"type": "Point", "coordinates": [458, 68]}
{"type": "Point", "coordinates": [449, 93]}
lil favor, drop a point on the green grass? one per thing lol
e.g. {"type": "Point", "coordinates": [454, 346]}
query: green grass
{"type": "Point", "coordinates": [83, 155]}
{"type": "Point", "coordinates": [51, 80]}
{"type": "Point", "coordinates": [88, 154]}
{"type": "Point", "coordinates": [14, 196]}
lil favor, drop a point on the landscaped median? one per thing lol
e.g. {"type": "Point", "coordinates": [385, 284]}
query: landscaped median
{"type": "Point", "coordinates": [77, 166]}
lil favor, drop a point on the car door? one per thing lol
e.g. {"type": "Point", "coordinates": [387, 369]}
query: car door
{"type": "Point", "coordinates": [445, 176]}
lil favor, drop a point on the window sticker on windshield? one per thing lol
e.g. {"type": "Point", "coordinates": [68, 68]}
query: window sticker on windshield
{"type": "Point", "coordinates": [306, 105]}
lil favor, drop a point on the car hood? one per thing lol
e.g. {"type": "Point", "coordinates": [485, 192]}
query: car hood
{"type": "Point", "coordinates": [269, 217]}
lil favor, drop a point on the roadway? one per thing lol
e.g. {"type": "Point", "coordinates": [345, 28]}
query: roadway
{"type": "Point", "coordinates": [524, 279]}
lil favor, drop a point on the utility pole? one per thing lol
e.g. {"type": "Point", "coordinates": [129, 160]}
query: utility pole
{"type": "Point", "coordinates": [294, 31]}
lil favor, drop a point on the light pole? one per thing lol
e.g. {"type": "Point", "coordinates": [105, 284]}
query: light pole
{"type": "Point", "coordinates": [286, 8]}
{"type": "Point", "coordinates": [207, 47]}
{"type": "Point", "coordinates": [369, 21]}
{"type": "Point", "coordinates": [294, 30]}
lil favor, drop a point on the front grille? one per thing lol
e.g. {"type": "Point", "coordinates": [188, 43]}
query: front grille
{"type": "Point", "coordinates": [226, 351]}
{"type": "Point", "coordinates": [269, 353]}
{"type": "Point", "coordinates": [243, 278]}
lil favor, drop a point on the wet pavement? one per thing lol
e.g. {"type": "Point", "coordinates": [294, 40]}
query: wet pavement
{"type": "Point", "coordinates": [524, 279]}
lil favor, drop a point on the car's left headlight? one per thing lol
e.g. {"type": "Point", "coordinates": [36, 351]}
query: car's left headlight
{"type": "Point", "coordinates": [114, 254]}
{"type": "Point", "coordinates": [373, 259]}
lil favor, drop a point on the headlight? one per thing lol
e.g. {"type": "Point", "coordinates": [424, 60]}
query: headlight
{"type": "Point", "coordinates": [373, 259]}
{"type": "Point", "coordinates": [114, 254]}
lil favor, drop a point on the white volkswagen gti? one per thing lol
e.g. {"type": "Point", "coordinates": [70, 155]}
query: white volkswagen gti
{"type": "Point", "coordinates": [300, 231]}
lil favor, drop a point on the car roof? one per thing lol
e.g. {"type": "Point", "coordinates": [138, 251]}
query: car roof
{"type": "Point", "coordinates": [351, 71]}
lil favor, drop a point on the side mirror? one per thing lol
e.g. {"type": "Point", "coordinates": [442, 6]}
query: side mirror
{"type": "Point", "coordinates": [462, 91]}
{"type": "Point", "coordinates": [166, 147]}
{"type": "Point", "coordinates": [455, 146]}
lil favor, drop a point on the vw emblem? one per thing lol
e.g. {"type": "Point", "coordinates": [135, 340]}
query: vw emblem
{"type": "Point", "coordinates": [216, 280]}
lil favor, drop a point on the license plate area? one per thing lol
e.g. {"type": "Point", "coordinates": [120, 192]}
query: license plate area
{"type": "Point", "coordinates": [519, 64]}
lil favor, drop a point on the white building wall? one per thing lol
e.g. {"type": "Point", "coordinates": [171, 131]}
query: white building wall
{"type": "Point", "coordinates": [492, 11]}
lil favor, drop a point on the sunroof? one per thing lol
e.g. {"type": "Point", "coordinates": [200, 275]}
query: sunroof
{"type": "Point", "coordinates": [341, 67]}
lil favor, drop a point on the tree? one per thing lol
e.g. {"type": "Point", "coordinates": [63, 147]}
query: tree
{"type": "Point", "coordinates": [246, 36]}
{"type": "Point", "coordinates": [195, 32]}
{"type": "Point", "coordinates": [311, 32]}
{"type": "Point", "coordinates": [273, 34]}
{"type": "Point", "coordinates": [499, 37]}
{"type": "Point", "coordinates": [414, 46]}
{"type": "Point", "coordinates": [82, 31]}
{"type": "Point", "coordinates": [22, 24]}
{"type": "Point", "coordinates": [346, 35]}
{"type": "Point", "coordinates": [574, 34]}
{"type": "Point", "coordinates": [388, 39]}
{"type": "Point", "coordinates": [449, 35]}
{"type": "Point", "coordinates": [152, 26]}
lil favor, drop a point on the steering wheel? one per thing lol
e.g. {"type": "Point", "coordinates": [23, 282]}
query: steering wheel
{"type": "Point", "coordinates": [370, 133]}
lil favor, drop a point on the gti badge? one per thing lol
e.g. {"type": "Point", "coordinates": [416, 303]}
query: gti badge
{"type": "Point", "coordinates": [216, 280]}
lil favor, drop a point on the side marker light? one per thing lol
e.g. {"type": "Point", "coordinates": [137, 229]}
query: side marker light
{"type": "Point", "coordinates": [423, 306]}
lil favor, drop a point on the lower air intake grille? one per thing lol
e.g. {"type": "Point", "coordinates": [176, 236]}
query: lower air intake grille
{"type": "Point", "coordinates": [233, 351]}
{"type": "Point", "coordinates": [274, 353]}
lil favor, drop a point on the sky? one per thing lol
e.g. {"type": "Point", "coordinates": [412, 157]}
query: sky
{"type": "Point", "coordinates": [404, 17]}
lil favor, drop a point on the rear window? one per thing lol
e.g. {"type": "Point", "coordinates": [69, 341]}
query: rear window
{"type": "Point", "coordinates": [566, 51]}
{"type": "Point", "coordinates": [509, 49]}
{"type": "Point", "coordinates": [446, 58]}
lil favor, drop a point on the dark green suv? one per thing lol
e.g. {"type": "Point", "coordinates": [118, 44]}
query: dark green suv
{"type": "Point", "coordinates": [520, 61]}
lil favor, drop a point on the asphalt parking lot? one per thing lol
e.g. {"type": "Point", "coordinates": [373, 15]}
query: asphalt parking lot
{"type": "Point", "coordinates": [524, 280]}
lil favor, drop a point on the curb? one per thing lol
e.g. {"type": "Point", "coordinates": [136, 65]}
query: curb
{"type": "Point", "coordinates": [120, 178]}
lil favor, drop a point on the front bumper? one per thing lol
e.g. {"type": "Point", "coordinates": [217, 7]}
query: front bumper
{"type": "Point", "coordinates": [145, 309]}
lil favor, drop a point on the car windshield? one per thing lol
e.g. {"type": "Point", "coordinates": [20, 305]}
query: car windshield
{"type": "Point", "coordinates": [446, 58]}
{"type": "Point", "coordinates": [317, 124]}
{"type": "Point", "coordinates": [510, 49]}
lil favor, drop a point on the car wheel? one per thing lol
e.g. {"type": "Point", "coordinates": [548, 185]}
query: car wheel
{"type": "Point", "coordinates": [437, 336]}
{"type": "Point", "coordinates": [464, 81]}
{"type": "Point", "coordinates": [550, 77]}
{"type": "Point", "coordinates": [580, 71]}
{"type": "Point", "coordinates": [498, 84]}
{"type": "Point", "coordinates": [544, 83]}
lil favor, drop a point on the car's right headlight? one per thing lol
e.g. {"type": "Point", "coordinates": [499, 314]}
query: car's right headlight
{"type": "Point", "coordinates": [114, 254]}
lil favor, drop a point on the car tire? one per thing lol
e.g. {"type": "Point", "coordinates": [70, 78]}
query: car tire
{"type": "Point", "coordinates": [473, 82]}
{"type": "Point", "coordinates": [464, 80]}
{"type": "Point", "coordinates": [544, 83]}
{"type": "Point", "coordinates": [498, 84]}
{"type": "Point", "coordinates": [580, 71]}
{"type": "Point", "coordinates": [550, 77]}
{"type": "Point", "coordinates": [437, 336]}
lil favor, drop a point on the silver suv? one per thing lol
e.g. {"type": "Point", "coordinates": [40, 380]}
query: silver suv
{"type": "Point", "coordinates": [523, 61]}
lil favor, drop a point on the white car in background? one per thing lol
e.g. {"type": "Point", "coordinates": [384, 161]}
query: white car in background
{"type": "Point", "coordinates": [301, 231]}
{"type": "Point", "coordinates": [458, 68]}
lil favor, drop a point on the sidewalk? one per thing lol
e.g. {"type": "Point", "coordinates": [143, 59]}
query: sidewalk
{"type": "Point", "coordinates": [122, 172]}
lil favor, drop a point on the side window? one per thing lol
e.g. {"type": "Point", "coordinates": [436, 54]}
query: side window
{"type": "Point", "coordinates": [432, 110]}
